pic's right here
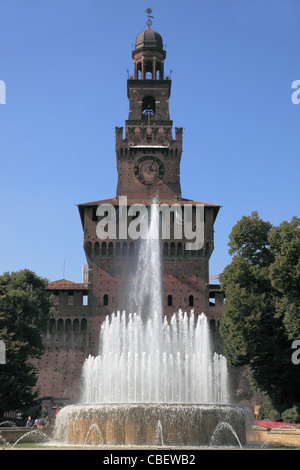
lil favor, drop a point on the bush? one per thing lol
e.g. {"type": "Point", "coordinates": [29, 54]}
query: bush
{"type": "Point", "coordinates": [292, 415]}
{"type": "Point", "coordinates": [269, 412]}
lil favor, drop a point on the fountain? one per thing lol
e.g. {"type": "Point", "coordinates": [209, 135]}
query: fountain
{"type": "Point", "coordinates": [34, 435]}
{"type": "Point", "coordinates": [155, 381]}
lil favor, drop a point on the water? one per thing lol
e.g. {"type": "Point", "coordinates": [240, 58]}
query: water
{"type": "Point", "coordinates": [35, 434]}
{"type": "Point", "coordinates": [159, 439]}
{"type": "Point", "coordinates": [151, 424]}
{"type": "Point", "coordinates": [3, 441]}
{"type": "Point", "coordinates": [218, 435]}
{"type": "Point", "coordinates": [99, 434]}
{"type": "Point", "coordinates": [145, 291]}
{"type": "Point", "coordinates": [161, 362]}
{"type": "Point", "coordinates": [156, 380]}
{"type": "Point", "coordinates": [146, 358]}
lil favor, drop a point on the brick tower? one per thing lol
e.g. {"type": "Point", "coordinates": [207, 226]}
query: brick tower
{"type": "Point", "coordinates": [148, 163]}
{"type": "Point", "coordinates": [148, 158]}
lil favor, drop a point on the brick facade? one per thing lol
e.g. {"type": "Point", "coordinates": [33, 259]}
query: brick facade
{"type": "Point", "coordinates": [148, 163]}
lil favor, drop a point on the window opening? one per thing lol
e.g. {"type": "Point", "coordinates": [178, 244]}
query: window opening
{"type": "Point", "coordinates": [148, 106]}
{"type": "Point", "coordinates": [70, 298]}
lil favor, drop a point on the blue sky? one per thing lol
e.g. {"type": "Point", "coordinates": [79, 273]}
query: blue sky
{"type": "Point", "coordinates": [64, 63]}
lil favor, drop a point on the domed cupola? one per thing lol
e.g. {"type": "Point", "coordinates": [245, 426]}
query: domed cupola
{"type": "Point", "coordinates": [148, 54]}
{"type": "Point", "coordinates": [149, 39]}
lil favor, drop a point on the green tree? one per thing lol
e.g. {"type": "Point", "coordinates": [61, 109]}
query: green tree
{"type": "Point", "coordinates": [285, 274]}
{"type": "Point", "coordinates": [25, 307]}
{"type": "Point", "coordinates": [261, 311]}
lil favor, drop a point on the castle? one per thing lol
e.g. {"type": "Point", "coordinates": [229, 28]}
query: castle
{"type": "Point", "coordinates": [148, 155]}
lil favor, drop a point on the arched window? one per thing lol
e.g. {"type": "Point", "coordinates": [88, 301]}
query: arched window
{"type": "Point", "coordinates": [68, 325]}
{"type": "Point", "coordinates": [172, 250]}
{"type": "Point", "coordinates": [148, 106]}
{"type": "Point", "coordinates": [105, 299]}
{"type": "Point", "coordinates": [170, 301]}
{"type": "Point", "coordinates": [179, 249]}
{"type": "Point", "coordinates": [83, 324]}
{"type": "Point", "coordinates": [76, 325]}
{"type": "Point", "coordinates": [139, 70]}
{"type": "Point", "coordinates": [149, 70]}
{"type": "Point", "coordinates": [60, 325]}
{"type": "Point", "coordinates": [165, 249]}
{"type": "Point", "coordinates": [159, 71]}
{"type": "Point", "coordinates": [97, 248]}
{"type": "Point", "coordinates": [88, 248]}
{"type": "Point", "coordinates": [110, 248]}
{"type": "Point", "coordinates": [103, 249]}
{"type": "Point", "coordinates": [191, 301]}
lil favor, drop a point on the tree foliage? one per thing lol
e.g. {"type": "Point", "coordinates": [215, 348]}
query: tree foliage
{"type": "Point", "coordinates": [25, 307]}
{"type": "Point", "coordinates": [261, 315]}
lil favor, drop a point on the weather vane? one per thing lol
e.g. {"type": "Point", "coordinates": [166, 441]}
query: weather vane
{"type": "Point", "coordinates": [149, 11]}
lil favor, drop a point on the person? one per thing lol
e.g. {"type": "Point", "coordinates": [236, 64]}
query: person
{"type": "Point", "coordinates": [29, 422]}
{"type": "Point", "coordinates": [44, 416]}
{"type": "Point", "coordinates": [38, 423]}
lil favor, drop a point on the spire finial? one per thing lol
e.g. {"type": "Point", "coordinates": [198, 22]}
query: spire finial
{"type": "Point", "coordinates": [149, 11]}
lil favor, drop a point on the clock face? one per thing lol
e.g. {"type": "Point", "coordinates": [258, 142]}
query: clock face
{"type": "Point", "coordinates": [149, 170]}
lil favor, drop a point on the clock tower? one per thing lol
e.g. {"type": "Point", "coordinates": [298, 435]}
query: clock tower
{"type": "Point", "coordinates": [148, 154]}
{"type": "Point", "coordinates": [148, 157]}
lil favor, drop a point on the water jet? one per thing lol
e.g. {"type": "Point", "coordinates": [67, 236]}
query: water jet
{"type": "Point", "coordinates": [156, 381]}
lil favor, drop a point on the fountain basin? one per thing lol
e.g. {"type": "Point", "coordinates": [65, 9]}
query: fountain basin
{"type": "Point", "coordinates": [151, 424]}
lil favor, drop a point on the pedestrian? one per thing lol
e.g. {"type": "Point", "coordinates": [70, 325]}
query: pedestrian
{"type": "Point", "coordinates": [47, 421]}
{"type": "Point", "coordinates": [38, 423]}
{"type": "Point", "coordinates": [29, 422]}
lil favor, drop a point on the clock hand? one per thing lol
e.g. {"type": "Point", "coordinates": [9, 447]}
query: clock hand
{"type": "Point", "coordinates": [155, 169]}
